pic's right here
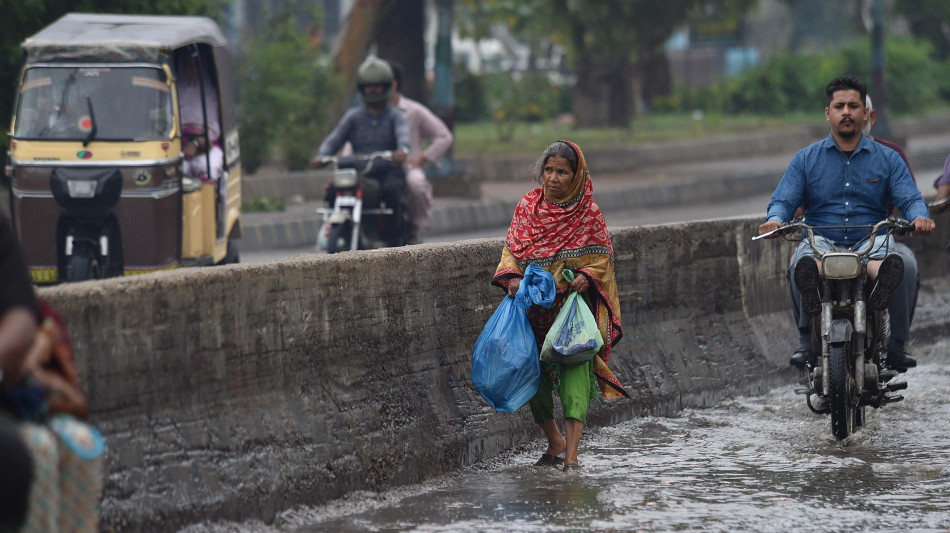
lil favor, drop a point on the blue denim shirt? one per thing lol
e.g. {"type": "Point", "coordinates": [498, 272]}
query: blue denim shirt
{"type": "Point", "coordinates": [367, 132]}
{"type": "Point", "coordinates": [837, 191]}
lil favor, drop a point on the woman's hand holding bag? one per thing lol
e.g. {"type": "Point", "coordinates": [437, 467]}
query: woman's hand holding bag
{"type": "Point", "coordinates": [505, 366]}
{"type": "Point", "coordinates": [574, 337]}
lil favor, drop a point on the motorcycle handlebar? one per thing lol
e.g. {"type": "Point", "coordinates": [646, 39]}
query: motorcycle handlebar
{"type": "Point", "coordinates": [893, 225]}
{"type": "Point", "coordinates": [902, 227]}
{"type": "Point", "coordinates": [322, 161]}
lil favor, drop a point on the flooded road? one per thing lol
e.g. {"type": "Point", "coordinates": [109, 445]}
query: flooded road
{"type": "Point", "coordinates": [762, 463]}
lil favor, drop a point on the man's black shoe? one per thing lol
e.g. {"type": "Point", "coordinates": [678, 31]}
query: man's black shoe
{"type": "Point", "coordinates": [900, 361]}
{"type": "Point", "coordinates": [801, 358]}
{"type": "Point", "coordinates": [889, 276]}
{"type": "Point", "coordinates": [807, 281]}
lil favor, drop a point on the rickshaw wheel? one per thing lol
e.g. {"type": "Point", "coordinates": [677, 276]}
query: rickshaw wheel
{"type": "Point", "coordinates": [233, 255]}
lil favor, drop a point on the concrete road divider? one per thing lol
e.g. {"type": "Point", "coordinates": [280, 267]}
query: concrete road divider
{"type": "Point", "coordinates": [237, 392]}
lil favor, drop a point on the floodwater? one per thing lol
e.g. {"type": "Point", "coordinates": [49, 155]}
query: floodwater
{"type": "Point", "coordinates": [762, 463]}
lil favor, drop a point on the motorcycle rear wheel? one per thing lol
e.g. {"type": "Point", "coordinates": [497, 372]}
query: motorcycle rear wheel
{"type": "Point", "coordinates": [842, 394]}
{"type": "Point", "coordinates": [340, 237]}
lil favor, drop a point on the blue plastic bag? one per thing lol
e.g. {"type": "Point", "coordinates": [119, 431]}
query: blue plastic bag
{"type": "Point", "coordinates": [537, 287]}
{"type": "Point", "coordinates": [506, 369]}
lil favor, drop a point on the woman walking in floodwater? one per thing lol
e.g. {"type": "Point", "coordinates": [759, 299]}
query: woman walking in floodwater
{"type": "Point", "coordinates": [558, 226]}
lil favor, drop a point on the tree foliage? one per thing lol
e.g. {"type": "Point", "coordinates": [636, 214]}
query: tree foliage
{"type": "Point", "coordinates": [610, 45]}
{"type": "Point", "coordinates": [795, 82]}
{"type": "Point", "coordinates": [928, 20]}
{"type": "Point", "coordinates": [284, 94]}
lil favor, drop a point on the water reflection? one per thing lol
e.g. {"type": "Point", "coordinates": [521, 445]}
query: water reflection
{"type": "Point", "coordinates": [761, 463]}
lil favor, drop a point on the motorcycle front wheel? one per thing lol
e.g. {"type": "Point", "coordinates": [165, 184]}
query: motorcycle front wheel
{"type": "Point", "coordinates": [340, 237]}
{"type": "Point", "coordinates": [843, 403]}
{"type": "Point", "coordinates": [83, 264]}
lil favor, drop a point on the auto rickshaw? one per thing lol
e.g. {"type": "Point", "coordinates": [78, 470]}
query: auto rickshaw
{"type": "Point", "coordinates": [124, 155]}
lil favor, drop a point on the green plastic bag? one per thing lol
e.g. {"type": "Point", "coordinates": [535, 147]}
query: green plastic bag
{"type": "Point", "coordinates": [573, 338]}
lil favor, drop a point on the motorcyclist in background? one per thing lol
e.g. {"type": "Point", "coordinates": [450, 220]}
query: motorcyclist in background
{"type": "Point", "coordinates": [424, 126]}
{"type": "Point", "coordinates": [904, 300]}
{"type": "Point", "coordinates": [374, 126]}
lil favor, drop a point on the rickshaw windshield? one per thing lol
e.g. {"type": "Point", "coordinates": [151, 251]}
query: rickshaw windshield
{"type": "Point", "coordinates": [87, 103]}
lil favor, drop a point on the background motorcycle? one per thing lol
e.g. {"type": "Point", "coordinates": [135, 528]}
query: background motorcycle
{"type": "Point", "coordinates": [355, 191]}
{"type": "Point", "coordinates": [850, 374]}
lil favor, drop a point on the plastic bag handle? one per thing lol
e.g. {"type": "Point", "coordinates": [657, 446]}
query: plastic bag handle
{"type": "Point", "coordinates": [568, 275]}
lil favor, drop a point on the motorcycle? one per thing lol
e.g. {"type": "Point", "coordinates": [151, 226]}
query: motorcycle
{"type": "Point", "coordinates": [354, 193]}
{"type": "Point", "coordinates": [851, 373]}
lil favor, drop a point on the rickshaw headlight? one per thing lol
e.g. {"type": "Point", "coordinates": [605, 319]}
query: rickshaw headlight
{"type": "Point", "coordinates": [81, 188]}
{"type": "Point", "coordinates": [841, 266]}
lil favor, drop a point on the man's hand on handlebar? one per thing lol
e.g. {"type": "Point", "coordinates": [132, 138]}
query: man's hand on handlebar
{"type": "Point", "coordinates": [399, 156]}
{"type": "Point", "coordinates": [923, 225]}
{"type": "Point", "coordinates": [318, 162]}
{"type": "Point", "coordinates": [770, 226]}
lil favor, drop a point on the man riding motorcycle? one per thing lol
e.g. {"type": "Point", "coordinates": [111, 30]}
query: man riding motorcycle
{"type": "Point", "coordinates": [374, 126]}
{"type": "Point", "coordinates": [845, 179]}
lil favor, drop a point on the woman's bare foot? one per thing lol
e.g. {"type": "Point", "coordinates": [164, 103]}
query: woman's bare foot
{"type": "Point", "coordinates": [556, 449]}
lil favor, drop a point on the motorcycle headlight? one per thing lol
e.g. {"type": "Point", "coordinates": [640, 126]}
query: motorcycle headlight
{"type": "Point", "coordinates": [345, 178]}
{"type": "Point", "coordinates": [841, 265]}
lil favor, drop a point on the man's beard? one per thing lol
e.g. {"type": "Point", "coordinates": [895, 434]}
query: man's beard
{"type": "Point", "coordinates": [847, 134]}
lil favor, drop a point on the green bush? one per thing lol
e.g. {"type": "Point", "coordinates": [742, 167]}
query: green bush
{"type": "Point", "coordinates": [911, 75]}
{"type": "Point", "coordinates": [792, 83]}
{"type": "Point", "coordinates": [519, 97]}
{"type": "Point", "coordinates": [683, 98]}
{"type": "Point", "coordinates": [529, 97]}
{"type": "Point", "coordinates": [470, 102]}
{"type": "Point", "coordinates": [284, 94]}
{"type": "Point", "coordinates": [260, 204]}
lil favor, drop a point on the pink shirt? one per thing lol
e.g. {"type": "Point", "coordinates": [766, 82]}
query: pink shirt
{"type": "Point", "coordinates": [424, 125]}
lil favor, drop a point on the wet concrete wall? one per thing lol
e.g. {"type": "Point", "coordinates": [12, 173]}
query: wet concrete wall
{"type": "Point", "coordinates": [235, 392]}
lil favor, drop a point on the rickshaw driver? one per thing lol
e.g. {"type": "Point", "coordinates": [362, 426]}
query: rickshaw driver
{"type": "Point", "coordinates": [34, 119]}
{"type": "Point", "coordinates": [372, 127]}
{"type": "Point", "coordinates": [48, 120]}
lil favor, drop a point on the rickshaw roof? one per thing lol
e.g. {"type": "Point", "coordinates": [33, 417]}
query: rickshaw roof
{"type": "Point", "coordinates": [86, 36]}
